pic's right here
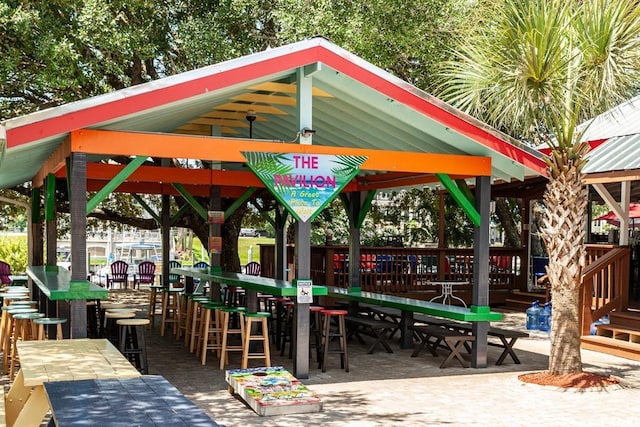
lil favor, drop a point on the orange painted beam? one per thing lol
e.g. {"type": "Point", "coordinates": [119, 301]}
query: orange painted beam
{"type": "Point", "coordinates": [397, 181]}
{"type": "Point", "coordinates": [230, 149]}
{"type": "Point", "coordinates": [55, 162]}
{"type": "Point", "coordinates": [159, 188]}
{"type": "Point", "coordinates": [176, 175]}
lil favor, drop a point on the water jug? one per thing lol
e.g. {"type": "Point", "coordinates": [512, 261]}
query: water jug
{"type": "Point", "coordinates": [544, 317]}
{"type": "Point", "coordinates": [533, 316]}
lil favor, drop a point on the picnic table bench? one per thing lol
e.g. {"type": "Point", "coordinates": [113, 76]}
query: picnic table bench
{"type": "Point", "coordinates": [437, 315]}
{"type": "Point", "coordinates": [507, 337]}
{"type": "Point", "coordinates": [381, 330]}
{"type": "Point", "coordinates": [454, 339]}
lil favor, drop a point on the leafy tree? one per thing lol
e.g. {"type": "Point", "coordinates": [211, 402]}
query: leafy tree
{"type": "Point", "coordinates": [58, 51]}
{"type": "Point", "coordinates": [541, 69]}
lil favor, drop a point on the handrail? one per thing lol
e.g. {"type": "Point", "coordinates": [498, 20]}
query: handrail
{"type": "Point", "coordinates": [605, 284]}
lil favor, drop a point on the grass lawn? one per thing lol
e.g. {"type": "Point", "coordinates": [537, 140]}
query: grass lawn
{"type": "Point", "coordinates": [244, 243]}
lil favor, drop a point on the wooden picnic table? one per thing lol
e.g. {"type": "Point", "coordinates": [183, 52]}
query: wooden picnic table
{"type": "Point", "coordinates": [409, 306]}
{"type": "Point", "coordinates": [59, 360]}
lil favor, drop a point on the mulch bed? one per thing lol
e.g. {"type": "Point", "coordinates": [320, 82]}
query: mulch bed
{"type": "Point", "coordinates": [577, 380]}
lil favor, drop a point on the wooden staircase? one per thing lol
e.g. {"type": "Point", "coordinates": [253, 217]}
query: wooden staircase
{"type": "Point", "coordinates": [621, 337]}
{"type": "Point", "coordinates": [520, 301]}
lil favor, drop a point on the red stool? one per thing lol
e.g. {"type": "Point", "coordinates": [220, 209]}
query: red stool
{"type": "Point", "coordinates": [340, 334]}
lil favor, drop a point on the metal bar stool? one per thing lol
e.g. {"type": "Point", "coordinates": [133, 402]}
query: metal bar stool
{"type": "Point", "coordinates": [328, 334]}
{"type": "Point", "coordinates": [111, 323]}
{"type": "Point", "coordinates": [58, 321]}
{"type": "Point", "coordinates": [132, 342]}
{"type": "Point", "coordinates": [287, 330]}
{"type": "Point", "coordinates": [248, 319]}
{"type": "Point", "coordinates": [228, 330]}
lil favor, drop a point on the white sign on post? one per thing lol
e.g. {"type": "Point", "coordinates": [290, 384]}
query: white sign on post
{"type": "Point", "coordinates": [305, 294]}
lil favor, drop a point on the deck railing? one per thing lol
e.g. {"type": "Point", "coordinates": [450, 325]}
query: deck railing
{"type": "Point", "coordinates": [605, 282]}
{"type": "Point", "coordinates": [396, 270]}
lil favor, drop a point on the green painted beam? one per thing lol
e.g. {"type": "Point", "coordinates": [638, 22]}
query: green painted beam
{"type": "Point", "coordinates": [366, 207]}
{"type": "Point", "coordinates": [192, 201]}
{"type": "Point", "coordinates": [179, 214]}
{"type": "Point", "coordinates": [50, 198]}
{"type": "Point", "coordinates": [147, 208]}
{"type": "Point", "coordinates": [464, 187]}
{"type": "Point", "coordinates": [115, 182]}
{"type": "Point", "coordinates": [345, 203]}
{"type": "Point", "coordinates": [267, 218]}
{"type": "Point", "coordinates": [239, 202]}
{"type": "Point", "coordinates": [460, 198]}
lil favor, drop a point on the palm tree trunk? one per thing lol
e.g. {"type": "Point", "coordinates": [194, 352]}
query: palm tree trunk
{"type": "Point", "coordinates": [563, 231]}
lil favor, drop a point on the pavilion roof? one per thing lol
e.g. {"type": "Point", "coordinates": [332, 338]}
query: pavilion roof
{"type": "Point", "coordinates": [356, 105]}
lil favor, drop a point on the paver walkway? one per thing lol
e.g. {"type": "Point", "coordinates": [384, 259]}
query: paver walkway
{"type": "Point", "coordinates": [395, 389]}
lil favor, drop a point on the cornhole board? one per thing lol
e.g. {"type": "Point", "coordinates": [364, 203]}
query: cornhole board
{"type": "Point", "coordinates": [272, 391]}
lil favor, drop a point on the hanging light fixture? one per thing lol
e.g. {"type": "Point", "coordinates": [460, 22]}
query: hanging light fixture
{"type": "Point", "coordinates": [251, 117]}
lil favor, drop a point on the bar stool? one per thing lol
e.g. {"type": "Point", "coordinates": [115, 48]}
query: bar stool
{"type": "Point", "coordinates": [315, 330]}
{"type": "Point", "coordinates": [233, 296]}
{"type": "Point", "coordinates": [248, 319]}
{"type": "Point", "coordinates": [11, 333]}
{"type": "Point", "coordinates": [111, 327]}
{"type": "Point", "coordinates": [152, 311]}
{"type": "Point", "coordinates": [280, 318]}
{"type": "Point", "coordinates": [41, 322]}
{"type": "Point", "coordinates": [328, 334]}
{"type": "Point", "coordinates": [170, 309]}
{"type": "Point", "coordinates": [287, 330]}
{"type": "Point", "coordinates": [210, 335]}
{"type": "Point", "coordinates": [228, 330]}
{"type": "Point", "coordinates": [192, 337]}
{"type": "Point", "coordinates": [132, 342]}
{"type": "Point", "coordinates": [186, 310]}
{"type": "Point", "coordinates": [7, 299]}
{"type": "Point", "coordinates": [24, 330]}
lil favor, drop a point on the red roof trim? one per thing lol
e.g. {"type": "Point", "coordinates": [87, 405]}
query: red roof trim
{"type": "Point", "coordinates": [431, 110]}
{"type": "Point", "coordinates": [161, 96]}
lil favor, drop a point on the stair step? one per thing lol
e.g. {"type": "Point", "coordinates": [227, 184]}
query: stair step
{"type": "Point", "coordinates": [534, 295]}
{"type": "Point", "coordinates": [629, 319]}
{"type": "Point", "coordinates": [611, 329]}
{"type": "Point", "coordinates": [611, 346]}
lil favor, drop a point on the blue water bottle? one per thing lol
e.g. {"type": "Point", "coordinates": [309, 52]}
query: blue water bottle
{"type": "Point", "coordinates": [544, 317]}
{"type": "Point", "coordinates": [533, 316]}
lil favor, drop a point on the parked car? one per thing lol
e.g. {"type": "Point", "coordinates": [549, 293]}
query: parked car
{"type": "Point", "coordinates": [248, 232]}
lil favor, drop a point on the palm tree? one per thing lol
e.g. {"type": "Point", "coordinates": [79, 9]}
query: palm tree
{"type": "Point", "coordinates": [538, 69]}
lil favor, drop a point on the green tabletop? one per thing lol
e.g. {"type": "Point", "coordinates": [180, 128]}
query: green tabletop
{"type": "Point", "coordinates": [275, 287]}
{"type": "Point", "coordinates": [57, 285]}
{"type": "Point", "coordinates": [472, 314]}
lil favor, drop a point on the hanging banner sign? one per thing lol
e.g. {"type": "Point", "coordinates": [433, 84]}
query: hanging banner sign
{"type": "Point", "coordinates": [304, 183]}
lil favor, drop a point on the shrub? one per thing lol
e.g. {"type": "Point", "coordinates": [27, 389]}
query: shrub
{"type": "Point", "coordinates": [13, 251]}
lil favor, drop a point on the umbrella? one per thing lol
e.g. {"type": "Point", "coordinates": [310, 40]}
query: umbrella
{"type": "Point", "coordinates": [634, 214]}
